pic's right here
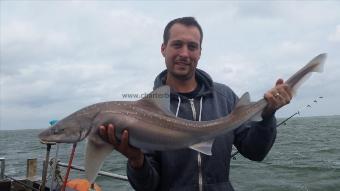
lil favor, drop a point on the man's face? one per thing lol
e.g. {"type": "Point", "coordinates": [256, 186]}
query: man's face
{"type": "Point", "coordinates": [182, 51]}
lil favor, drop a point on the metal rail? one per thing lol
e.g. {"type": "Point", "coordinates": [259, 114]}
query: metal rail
{"type": "Point", "coordinates": [2, 168]}
{"type": "Point", "coordinates": [103, 173]}
{"type": "Point", "coordinates": [3, 176]}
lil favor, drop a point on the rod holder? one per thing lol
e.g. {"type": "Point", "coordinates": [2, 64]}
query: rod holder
{"type": "Point", "coordinates": [31, 168]}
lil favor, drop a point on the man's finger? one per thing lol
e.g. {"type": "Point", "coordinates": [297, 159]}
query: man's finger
{"type": "Point", "coordinates": [288, 90]}
{"type": "Point", "coordinates": [279, 81]}
{"type": "Point", "coordinates": [124, 140]}
{"type": "Point", "coordinates": [103, 132]}
{"type": "Point", "coordinates": [285, 97]}
{"type": "Point", "coordinates": [112, 135]}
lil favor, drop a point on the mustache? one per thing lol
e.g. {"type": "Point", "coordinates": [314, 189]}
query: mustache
{"type": "Point", "coordinates": [183, 60]}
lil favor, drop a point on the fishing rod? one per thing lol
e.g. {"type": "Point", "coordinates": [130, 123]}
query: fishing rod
{"type": "Point", "coordinates": [22, 183]}
{"type": "Point", "coordinates": [233, 156]}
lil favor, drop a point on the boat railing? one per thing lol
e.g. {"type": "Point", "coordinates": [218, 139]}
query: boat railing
{"type": "Point", "coordinates": [2, 168]}
{"type": "Point", "coordinates": [102, 173]}
{"type": "Point", "coordinates": [33, 182]}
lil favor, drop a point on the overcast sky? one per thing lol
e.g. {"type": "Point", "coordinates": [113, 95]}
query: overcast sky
{"type": "Point", "coordinates": [57, 57]}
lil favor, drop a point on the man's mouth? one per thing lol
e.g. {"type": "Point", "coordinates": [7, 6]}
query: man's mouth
{"type": "Point", "coordinates": [182, 63]}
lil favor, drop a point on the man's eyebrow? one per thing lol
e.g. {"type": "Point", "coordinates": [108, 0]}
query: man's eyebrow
{"type": "Point", "coordinates": [181, 41]}
{"type": "Point", "coordinates": [176, 41]}
{"type": "Point", "coordinates": [192, 42]}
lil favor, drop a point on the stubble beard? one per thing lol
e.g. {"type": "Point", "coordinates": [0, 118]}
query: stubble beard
{"type": "Point", "coordinates": [183, 77]}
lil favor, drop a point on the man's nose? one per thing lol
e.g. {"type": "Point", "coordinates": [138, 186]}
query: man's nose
{"type": "Point", "coordinates": [184, 52]}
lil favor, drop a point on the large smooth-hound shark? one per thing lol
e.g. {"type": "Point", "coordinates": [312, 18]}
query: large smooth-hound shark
{"type": "Point", "coordinates": [152, 126]}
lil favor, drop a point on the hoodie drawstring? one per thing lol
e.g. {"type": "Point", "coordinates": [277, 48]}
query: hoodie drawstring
{"type": "Point", "coordinates": [199, 159]}
{"type": "Point", "coordinates": [201, 105]}
{"type": "Point", "coordinates": [179, 103]}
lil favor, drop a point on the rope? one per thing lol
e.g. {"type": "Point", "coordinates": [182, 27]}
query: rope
{"type": "Point", "coordinates": [69, 166]}
{"type": "Point", "coordinates": [54, 167]}
{"type": "Point", "coordinates": [53, 122]}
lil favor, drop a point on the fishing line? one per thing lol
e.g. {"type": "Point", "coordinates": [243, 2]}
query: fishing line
{"type": "Point", "coordinates": [285, 120]}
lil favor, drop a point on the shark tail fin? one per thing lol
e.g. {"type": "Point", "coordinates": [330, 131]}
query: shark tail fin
{"type": "Point", "coordinates": [321, 58]}
{"type": "Point", "coordinates": [315, 65]}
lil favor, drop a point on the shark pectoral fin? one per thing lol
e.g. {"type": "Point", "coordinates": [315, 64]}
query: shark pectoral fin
{"type": "Point", "coordinates": [315, 65]}
{"type": "Point", "coordinates": [203, 147]}
{"type": "Point", "coordinates": [94, 158]}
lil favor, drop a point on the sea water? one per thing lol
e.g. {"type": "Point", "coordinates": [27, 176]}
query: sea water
{"type": "Point", "coordinates": [305, 157]}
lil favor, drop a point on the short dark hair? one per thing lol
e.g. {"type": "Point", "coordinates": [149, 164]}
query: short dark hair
{"type": "Point", "coordinates": [187, 21]}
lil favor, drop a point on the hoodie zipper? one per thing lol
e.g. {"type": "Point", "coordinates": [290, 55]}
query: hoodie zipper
{"type": "Point", "coordinates": [199, 159]}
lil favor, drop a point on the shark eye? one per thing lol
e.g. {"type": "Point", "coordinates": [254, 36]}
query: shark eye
{"type": "Point", "coordinates": [59, 130]}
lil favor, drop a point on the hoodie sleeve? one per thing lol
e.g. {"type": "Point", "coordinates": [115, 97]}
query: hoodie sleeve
{"type": "Point", "coordinates": [255, 139]}
{"type": "Point", "coordinates": [147, 177]}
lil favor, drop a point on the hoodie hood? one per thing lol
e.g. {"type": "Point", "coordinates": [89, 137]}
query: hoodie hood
{"type": "Point", "coordinates": [202, 78]}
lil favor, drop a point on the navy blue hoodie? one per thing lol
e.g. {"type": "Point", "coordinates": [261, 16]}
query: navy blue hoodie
{"type": "Point", "coordinates": [186, 169]}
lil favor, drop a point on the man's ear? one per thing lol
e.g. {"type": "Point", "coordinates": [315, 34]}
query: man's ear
{"type": "Point", "coordinates": [200, 52]}
{"type": "Point", "coordinates": [163, 49]}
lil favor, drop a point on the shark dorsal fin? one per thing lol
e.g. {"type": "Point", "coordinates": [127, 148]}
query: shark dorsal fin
{"type": "Point", "coordinates": [160, 98]}
{"type": "Point", "coordinates": [244, 100]}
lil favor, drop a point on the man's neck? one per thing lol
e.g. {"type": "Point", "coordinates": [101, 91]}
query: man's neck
{"type": "Point", "coordinates": [180, 85]}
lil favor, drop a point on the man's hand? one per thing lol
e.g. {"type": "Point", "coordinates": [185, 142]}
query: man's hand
{"type": "Point", "coordinates": [135, 156]}
{"type": "Point", "coordinates": [277, 97]}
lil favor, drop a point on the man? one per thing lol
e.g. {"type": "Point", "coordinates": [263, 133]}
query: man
{"type": "Point", "coordinates": [195, 96]}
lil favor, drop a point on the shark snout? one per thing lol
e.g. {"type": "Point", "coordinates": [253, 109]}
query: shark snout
{"type": "Point", "coordinates": [52, 135]}
{"type": "Point", "coordinates": [47, 135]}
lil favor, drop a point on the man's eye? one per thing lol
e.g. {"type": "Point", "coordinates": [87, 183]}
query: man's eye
{"type": "Point", "coordinates": [177, 45]}
{"type": "Point", "coordinates": [192, 47]}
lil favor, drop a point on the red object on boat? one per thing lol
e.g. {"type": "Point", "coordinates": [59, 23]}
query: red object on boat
{"type": "Point", "coordinates": [81, 185]}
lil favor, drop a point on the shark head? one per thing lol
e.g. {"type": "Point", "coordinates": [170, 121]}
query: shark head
{"type": "Point", "coordinates": [68, 130]}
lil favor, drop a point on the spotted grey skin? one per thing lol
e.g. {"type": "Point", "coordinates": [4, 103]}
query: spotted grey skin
{"type": "Point", "coordinates": [149, 125]}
